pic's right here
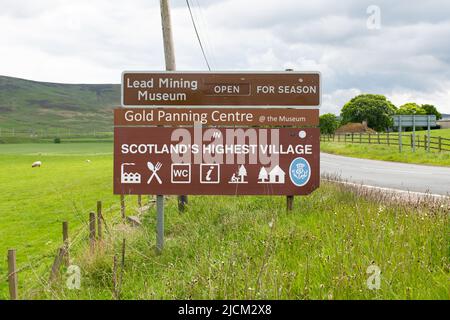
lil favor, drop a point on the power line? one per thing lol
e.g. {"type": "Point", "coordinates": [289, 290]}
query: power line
{"type": "Point", "coordinates": [206, 36]}
{"type": "Point", "coordinates": [198, 37]}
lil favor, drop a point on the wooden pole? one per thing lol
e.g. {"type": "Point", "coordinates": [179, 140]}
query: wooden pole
{"type": "Point", "coordinates": [115, 294]}
{"type": "Point", "coordinates": [399, 133]}
{"type": "Point", "coordinates": [289, 202]}
{"type": "Point", "coordinates": [169, 55]}
{"type": "Point", "coordinates": [182, 202]}
{"type": "Point", "coordinates": [65, 227]}
{"type": "Point", "coordinates": [99, 220]}
{"type": "Point", "coordinates": [57, 264]}
{"type": "Point", "coordinates": [169, 52]}
{"type": "Point", "coordinates": [92, 230]}
{"type": "Point", "coordinates": [428, 133]}
{"type": "Point", "coordinates": [413, 139]}
{"type": "Point", "coordinates": [139, 200]}
{"type": "Point", "coordinates": [12, 274]}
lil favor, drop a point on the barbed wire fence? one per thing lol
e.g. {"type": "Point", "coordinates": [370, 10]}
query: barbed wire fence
{"type": "Point", "coordinates": [50, 133]}
{"type": "Point", "coordinates": [89, 232]}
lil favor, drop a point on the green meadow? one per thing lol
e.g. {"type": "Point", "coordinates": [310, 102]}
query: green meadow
{"type": "Point", "coordinates": [391, 153]}
{"type": "Point", "coordinates": [221, 247]}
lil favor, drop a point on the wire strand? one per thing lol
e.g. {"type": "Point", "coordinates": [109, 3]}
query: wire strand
{"type": "Point", "coordinates": [198, 36]}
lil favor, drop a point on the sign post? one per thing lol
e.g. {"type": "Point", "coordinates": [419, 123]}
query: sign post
{"type": "Point", "coordinates": [428, 133]}
{"type": "Point", "coordinates": [414, 121]}
{"type": "Point", "coordinates": [414, 134]}
{"type": "Point", "coordinates": [399, 134]}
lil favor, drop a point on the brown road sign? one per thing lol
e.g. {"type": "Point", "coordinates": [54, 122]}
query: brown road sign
{"type": "Point", "coordinates": [296, 89]}
{"type": "Point", "coordinates": [216, 116]}
{"type": "Point", "coordinates": [216, 161]}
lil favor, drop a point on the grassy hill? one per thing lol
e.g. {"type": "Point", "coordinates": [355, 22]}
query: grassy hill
{"type": "Point", "coordinates": [30, 106]}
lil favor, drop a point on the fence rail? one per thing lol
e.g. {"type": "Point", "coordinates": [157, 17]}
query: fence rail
{"type": "Point", "coordinates": [53, 133]}
{"type": "Point", "coordinates": [418, 141]}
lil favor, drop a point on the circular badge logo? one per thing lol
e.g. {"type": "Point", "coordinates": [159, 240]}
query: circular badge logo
{"type": "Point", "coordinates": [299, 171]}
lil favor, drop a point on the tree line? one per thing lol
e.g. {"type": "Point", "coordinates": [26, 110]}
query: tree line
{"type": "Point", "coordinates": [376, 109]}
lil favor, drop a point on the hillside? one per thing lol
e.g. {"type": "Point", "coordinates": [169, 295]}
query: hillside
{"type": "Point", "coordinates": [31, 106]}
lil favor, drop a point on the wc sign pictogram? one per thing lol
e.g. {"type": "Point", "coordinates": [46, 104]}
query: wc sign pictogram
{"type": "Point", "coordinates": [180, 173]}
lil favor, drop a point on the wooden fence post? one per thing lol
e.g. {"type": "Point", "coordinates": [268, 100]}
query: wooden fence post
{"type": "Point", "coordinates": [369, 139]}
{"type": "Point", "coordinates": [65, 227]}
{"type": "Point", "coordinates": [92, 230]}
{"type": "Point", "coordinates": [122, 206]}
{"type": "Point", "coordinates": [12, 274]}
{"type": "Point", "coordinates": [378, 137]}
{"type": "Point", "coordinates": [289, 202]}
{"type": "Point", "coordinates": [99, 220]}
{"type": "Point", "coordinates": [360, 138]}
{"type": "Point", "coordinates": [440, 143]}
{"type": "Point", "coordinates": [139, 199]}
{"type": "Point", "coordinates": [115, 294]}
{"type": "Point", "coordinates": [388, 140]}
{"type": "Point", "coordinates": [57, 264]}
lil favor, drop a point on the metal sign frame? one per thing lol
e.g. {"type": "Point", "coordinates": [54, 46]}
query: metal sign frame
{"type": "Point", "coordinates": [414, 122]}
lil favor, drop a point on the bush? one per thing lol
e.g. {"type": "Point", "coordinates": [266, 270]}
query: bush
{"type": "Point", "coordinates": [57, 140]}
{"type": "Point", "coordinates": [328, 123]}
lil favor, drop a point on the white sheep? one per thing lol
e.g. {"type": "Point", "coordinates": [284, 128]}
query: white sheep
{"type": "Point", "coordinates": [36, 164]}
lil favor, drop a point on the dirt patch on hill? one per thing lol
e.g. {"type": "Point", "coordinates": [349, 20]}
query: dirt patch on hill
{"type": "Point", "coordinates": [355, 128]}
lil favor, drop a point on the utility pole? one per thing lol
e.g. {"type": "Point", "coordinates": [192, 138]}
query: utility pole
{"type": "Point", "coordinates": [169, 52]}
{"type": "Point", "coordinates": [169, 55]}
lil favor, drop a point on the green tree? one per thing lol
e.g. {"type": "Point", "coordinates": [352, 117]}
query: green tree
{"type": "Point", "coordinates": [328, 123]}
{"type": "Point", "coordinates": [411, 108]}
{"type": "Point", "coordinates": [430, 109]}
{"type": "Point", "coordinates": [373, 108]}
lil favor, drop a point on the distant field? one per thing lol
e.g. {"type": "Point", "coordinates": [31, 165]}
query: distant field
{"type": "Point", "coordinates": [222, 247]}
{"type": "Point", "coordinates": [34, 202]}
{"type": "Point", "coordinates": [444, 133]}
{"type": "Point", "coordinates": [390, 153]}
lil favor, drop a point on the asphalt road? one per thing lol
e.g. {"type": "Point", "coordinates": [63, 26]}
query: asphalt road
{"type": "Point", "coordinates": [402, 176]}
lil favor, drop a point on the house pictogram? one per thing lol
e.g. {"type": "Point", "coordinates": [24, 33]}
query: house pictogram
{"type": "Point", "coordinates": [276, 175]}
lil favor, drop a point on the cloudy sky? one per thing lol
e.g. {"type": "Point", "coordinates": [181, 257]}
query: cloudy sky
{"type": "Point", "coordinates": [405, 54]}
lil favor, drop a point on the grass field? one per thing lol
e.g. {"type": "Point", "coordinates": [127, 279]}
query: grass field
{"type": "Point", "coordinates": [390, 153]}
{"type": "Point", "coordinates": [34, 202]}
{"type": "Point", "coordinates": [222, 247]}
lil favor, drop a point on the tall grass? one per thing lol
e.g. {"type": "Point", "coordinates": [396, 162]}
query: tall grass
{"type": "Point", "coordinates": [251, 248]}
